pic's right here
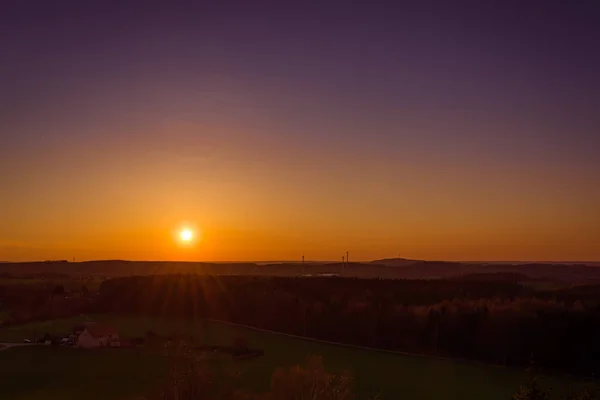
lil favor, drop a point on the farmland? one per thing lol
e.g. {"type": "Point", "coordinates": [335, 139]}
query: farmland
{"type": "Point", "coordinates": [35, 373]}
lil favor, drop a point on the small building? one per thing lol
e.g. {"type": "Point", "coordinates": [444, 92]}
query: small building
{"type": "Point", "coordinates": [98, 336]}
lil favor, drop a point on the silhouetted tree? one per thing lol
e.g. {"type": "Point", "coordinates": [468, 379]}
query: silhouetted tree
{"type": "Point", "coordinates": [310, 382]}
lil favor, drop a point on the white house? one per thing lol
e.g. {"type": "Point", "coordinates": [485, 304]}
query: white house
{"type": "Point", "coordinates": [98, 336]}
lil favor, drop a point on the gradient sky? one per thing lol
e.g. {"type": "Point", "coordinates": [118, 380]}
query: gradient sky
{"type": "Point", "coordinates": [435, 130]}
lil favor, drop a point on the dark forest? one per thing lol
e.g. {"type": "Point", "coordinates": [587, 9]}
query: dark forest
{"type": "Point", "coordinates": [497, 322]}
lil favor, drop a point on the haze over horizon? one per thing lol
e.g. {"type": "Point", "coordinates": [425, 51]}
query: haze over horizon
{"type": "Point", "coordinates": [384, 261]}
{"type": "Point", "coordinates": [444, 131]}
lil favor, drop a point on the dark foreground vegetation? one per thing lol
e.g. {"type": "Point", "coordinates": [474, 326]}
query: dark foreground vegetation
{"type": "Point", "coordinates": [48, 372]}
{"type": "Point", "coordinates": [191, 378]}
{"type": "Point", "coordinates": [496, 322]}
{"type": "Point", "coordinates": [499, 317]}
{"type": "Point", "coordinates": [128, 373]}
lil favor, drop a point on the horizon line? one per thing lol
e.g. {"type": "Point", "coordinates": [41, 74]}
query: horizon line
{"type": "Point", "coordinates": [309, 261]}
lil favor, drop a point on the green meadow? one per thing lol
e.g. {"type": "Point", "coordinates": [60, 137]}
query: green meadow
{"type": "Point", "coordinates": [65, 373]}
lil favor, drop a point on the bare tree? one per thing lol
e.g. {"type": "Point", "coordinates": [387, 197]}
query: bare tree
{"type": "Point", "coordinates": [311, 382]}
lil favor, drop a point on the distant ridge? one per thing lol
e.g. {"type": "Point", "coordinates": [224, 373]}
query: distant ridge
{"type": "Point", "coordinates": [391, 268]}
{"type": "Point", "coordinates": [396, 262]}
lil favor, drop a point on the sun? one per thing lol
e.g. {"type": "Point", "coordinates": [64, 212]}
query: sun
{"type": "Point", "coordinates": [186, 235]}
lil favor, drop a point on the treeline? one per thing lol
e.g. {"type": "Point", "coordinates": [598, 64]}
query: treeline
{"type": "Point", "coordinates": [502, 323]}
{"type": "Point", "coordinates": [24, 303]}
{"type": "Point", "coordinates": [386, 269]}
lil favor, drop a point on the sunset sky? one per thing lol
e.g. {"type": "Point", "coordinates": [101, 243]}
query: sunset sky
{"type": "Point", "coordinates": [446, 131]}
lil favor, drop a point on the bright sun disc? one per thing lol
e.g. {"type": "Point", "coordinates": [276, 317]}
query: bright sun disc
{"type": "Point", "coordinates": [186, 235]}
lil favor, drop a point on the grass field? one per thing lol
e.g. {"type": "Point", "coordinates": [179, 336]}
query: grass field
{"type": "Point", "coordinates": [64, 373]}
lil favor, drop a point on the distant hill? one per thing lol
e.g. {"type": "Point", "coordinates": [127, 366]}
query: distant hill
{"type": "Point", "coordinates": [395, 262]}
{"type": "Point", "coordinates": [384, 269]}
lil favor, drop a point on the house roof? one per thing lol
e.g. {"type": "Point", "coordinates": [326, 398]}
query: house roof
{"type": "Point", "coordinates": [99, 330]}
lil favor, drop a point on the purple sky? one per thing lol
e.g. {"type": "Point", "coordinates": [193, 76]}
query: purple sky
{"type": "Point", "coordinates": [446, 99]}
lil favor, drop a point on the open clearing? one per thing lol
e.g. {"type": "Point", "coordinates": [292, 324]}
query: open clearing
{"type": "Point", "coordinates": [65, 373]}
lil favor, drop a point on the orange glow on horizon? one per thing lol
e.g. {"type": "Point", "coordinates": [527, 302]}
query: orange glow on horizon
{"type": "Point", "coordinates": [258, 213]}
